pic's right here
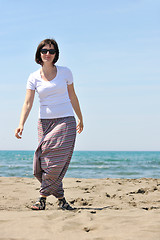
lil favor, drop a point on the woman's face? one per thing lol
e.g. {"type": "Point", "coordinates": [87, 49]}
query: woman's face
{"type": "Point", "coordinates": [48, 56]}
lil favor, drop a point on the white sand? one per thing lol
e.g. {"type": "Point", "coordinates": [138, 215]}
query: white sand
{"type": "Point", "coordinates": [107, 209]}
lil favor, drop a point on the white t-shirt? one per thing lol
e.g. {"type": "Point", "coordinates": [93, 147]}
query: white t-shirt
{"type": "Point", "coordinates": [53, 95]}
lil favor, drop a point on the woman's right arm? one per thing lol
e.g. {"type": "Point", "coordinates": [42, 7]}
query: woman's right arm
{"type": "Point", "coordinates": [25, 111]}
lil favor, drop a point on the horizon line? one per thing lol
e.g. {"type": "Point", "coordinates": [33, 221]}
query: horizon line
{"type": "Point", "coordinates": [89, 150]}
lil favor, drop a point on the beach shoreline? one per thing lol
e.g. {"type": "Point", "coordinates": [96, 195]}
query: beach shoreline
{"type": "Point", "coordinates": [105, 209]}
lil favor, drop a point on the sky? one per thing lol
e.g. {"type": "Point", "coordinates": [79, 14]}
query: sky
{"type": "Point", "coordinates": [113, 51]}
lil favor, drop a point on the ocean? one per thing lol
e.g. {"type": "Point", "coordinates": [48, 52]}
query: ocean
{"type": "Point", "coordinates": [89, 164]}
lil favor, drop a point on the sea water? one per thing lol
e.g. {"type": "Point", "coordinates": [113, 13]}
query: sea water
{"type": "Point", "coordinates": [89, 164]}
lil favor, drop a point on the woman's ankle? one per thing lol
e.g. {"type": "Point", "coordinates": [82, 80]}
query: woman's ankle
{"type": "Point", "coordinates": [61, 198]}
{"type": "Point", "coordinates": [42, 196]}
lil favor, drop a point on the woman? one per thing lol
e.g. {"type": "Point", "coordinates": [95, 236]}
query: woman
{"type": "Point", "coordinates": [56, 124]}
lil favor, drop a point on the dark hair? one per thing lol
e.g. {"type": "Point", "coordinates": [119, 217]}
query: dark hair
{"type": "Point", "coordinates": [41, 45]}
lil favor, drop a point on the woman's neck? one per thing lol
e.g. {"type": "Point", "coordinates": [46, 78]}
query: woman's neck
{"type": "Point", "coordinates": [48, 68]}
{"type": "Point", "coordinates": [48, 72]}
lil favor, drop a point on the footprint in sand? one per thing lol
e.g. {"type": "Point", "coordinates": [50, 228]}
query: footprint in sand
{"type": "Point", "coordinates": [87, 229]}
{"type": "Point", "coordinates": [107, 195]}
{"type": "Point", "coordinates": [81, 202]}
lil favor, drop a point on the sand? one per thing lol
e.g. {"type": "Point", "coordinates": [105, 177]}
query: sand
{"type": "Point", "coordinates": [106, 209]}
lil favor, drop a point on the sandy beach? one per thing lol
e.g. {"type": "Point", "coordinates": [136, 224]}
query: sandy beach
{"type": "Point", "coordinates": [111, 209]}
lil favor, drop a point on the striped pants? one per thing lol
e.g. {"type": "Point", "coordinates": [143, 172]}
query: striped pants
{"type": "Point", "coordinates": [54, 152]}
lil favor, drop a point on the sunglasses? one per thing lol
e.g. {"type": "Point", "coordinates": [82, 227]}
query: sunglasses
{"type": "Point", "coordinates": [51, 51]}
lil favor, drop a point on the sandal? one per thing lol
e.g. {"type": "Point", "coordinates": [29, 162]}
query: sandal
{"type": "Point", "coordinates": [64, 205]}
{"type": "Point", "coordinates": [40, 204]}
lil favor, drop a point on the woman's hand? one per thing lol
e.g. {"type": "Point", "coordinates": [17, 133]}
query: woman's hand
{"type": "Point", "coordinates": [18, 132]}
{"type": "Point", "coordinates": [79, 126]}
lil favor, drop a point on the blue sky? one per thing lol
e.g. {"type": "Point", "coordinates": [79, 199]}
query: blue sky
{"type": "Point", "coordinates": [112, 48]}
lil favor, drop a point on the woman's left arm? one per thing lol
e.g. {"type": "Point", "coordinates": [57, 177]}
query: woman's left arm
{"type": "Point", "coordinates": [76, 106]}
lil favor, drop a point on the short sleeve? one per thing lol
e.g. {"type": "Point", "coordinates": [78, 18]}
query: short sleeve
{"type": "Point", "coordinates": [68, 76]}
{"type": "Point", "coordinates": [31, 83]}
